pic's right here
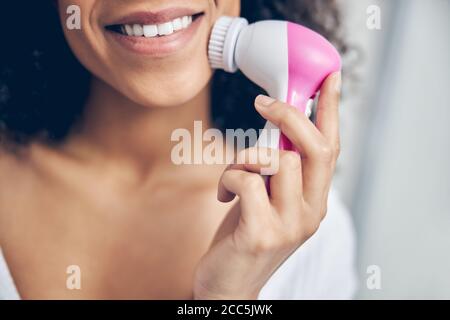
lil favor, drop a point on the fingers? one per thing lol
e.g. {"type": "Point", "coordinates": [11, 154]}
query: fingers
{"type": "Point", "coordinates": [250, 188]}
{"type": "Point", "coordinates": [318, 146]}
{"type": "Point", "coordinates": [295, 125]}
{"type": "Point", "coordinates": [255, 160]}
{"type": "Point", "coordinates": [286, 188]}
{"type": "Point", "coordinates": [311, 144]}
{"type": "Point", "coordinates": [285, 184]}
{"type": "Point", "coordinates": [327, 119]}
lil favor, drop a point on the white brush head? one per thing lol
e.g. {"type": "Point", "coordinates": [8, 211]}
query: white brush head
{"type": "Point", "coordinates": [222, 43]}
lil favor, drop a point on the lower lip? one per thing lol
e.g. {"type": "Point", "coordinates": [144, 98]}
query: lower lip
{"type": "Point", "coordinates": [157, 46]}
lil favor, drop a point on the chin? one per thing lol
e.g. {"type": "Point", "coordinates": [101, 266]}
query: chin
{"type": "Point", "coordinates": [164, 89]}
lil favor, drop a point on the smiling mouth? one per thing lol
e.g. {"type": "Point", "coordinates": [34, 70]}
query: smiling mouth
{"type": "Point", "coordinates": [156, 30]}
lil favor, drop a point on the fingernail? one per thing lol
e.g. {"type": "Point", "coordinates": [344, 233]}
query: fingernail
{"type": "Point", "coordinates": [264, 101]}
{"type": "Point", "coordinates": [338, 81]}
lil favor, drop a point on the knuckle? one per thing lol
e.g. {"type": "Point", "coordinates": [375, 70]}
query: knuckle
{"type": "Point", "coordinates": [252, 182]}
{"type": "Point", "coordinates": [277, 241]}
{"type": "Point", "coordinates": [227, 175]}
{"type": "Point", "coordinates": [260, 245]}
{"type": "Point", "coordinates": [268, 242]}
{"type": "Point", "coordinates": [337, 149]}
{"type": "Point", "coordinates": [325, 153]}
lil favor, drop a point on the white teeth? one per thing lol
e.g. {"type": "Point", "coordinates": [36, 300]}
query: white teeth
{"type": "Point", "coordinates": [165, 29]}
{"type": "Point", "coordinates": [185, 21]}
{"type": "Point", "coordinates": [177, 24]}
{"type": "Point", "coordinates": [138, 30]}
{"type": "Point", "coordinates": [150, 31]}
{"type": "Point", "coordinates": [129, 30]}
{"type": "Point", "coordinates": [153, 30]}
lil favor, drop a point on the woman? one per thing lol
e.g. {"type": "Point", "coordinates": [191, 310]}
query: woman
{"type": "Point", "coordinates": [86, 174]}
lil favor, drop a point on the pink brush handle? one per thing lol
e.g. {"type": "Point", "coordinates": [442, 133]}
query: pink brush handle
{"type": "Point", "coordinates": [311, 59]}
{"type": "Point", "coordinates": [301, 103]}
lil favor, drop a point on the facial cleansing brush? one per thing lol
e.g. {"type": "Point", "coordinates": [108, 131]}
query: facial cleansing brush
{"type": "Point", "coordinates": [290, 62]}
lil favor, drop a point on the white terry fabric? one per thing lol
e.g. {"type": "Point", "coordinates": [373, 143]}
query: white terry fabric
{"type": "Point", "coordinates": [322, 268]}
{"type": "Point", "coordinates": [8, 290]}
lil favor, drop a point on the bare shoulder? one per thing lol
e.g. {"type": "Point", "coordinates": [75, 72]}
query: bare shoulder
{"type": "Point", "coordinates": [15, 180]}
{"type": "Point", "coordinates": [11, 164]}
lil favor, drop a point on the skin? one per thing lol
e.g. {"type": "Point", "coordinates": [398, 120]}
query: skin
{"type": "Point", "coordinates": [110, 200]}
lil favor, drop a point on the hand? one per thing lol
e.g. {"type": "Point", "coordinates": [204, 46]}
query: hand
{"type": "Point", "coordinates": [269, 228]}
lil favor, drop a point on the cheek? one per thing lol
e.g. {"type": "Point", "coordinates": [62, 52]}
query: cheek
{"type": "Point", "coordinates": [83, 42]}
{"type": "Point", "coordinates": [228, 7]}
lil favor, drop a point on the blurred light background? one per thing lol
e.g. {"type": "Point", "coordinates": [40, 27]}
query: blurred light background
{"type": "Point", "coordinates": [394, 171]}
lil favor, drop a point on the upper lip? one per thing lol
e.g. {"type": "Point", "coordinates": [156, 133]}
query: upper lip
{"type": "Point", "coordinates": [149, 17]}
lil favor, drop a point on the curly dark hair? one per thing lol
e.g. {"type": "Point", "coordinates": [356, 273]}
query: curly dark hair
{"type": "Point", "coordinates": [43, 87]}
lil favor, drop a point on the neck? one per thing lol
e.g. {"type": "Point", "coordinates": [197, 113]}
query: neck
{"type": "Point", "coordinates": [115, 129]}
